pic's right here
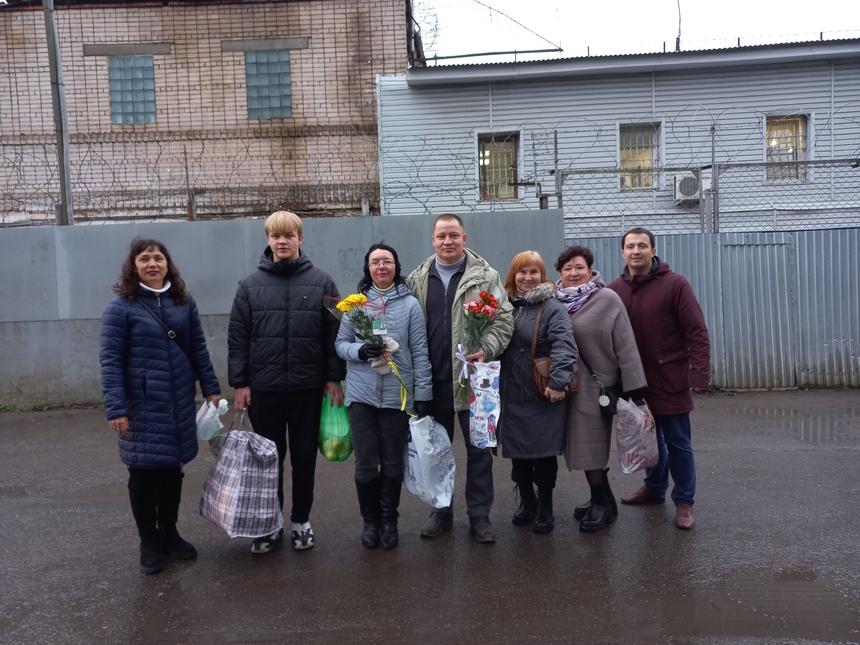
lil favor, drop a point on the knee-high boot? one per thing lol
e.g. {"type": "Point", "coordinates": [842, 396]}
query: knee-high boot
{"type": "Point", "coordinates": [390, 501]}
{"type": "Point", "coordinates": [170, 494]}
{"type": "Point", "coordinates": [371, 512]}
{"type": "Point", "coordinates": [143, 495]}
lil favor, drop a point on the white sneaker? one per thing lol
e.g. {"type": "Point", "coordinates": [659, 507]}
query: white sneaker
{"type": "Point", "coordinates": [302, 536]}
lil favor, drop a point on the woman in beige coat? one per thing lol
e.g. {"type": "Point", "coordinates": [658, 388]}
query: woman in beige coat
{"type": "Point", "coordinates": [607, 349]}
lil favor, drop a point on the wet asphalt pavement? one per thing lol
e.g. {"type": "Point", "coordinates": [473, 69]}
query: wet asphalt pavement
{"type": "Point", "coordinates": [774, 558]}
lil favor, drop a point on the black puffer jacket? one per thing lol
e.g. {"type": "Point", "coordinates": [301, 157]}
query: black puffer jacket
{"type": "Point", "coordinates": [281, 336]}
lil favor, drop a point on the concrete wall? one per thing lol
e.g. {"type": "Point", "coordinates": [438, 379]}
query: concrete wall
{"type": "Point", "coordinates": [56, 282]}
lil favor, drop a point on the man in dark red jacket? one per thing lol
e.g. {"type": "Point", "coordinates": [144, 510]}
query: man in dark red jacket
{"type": "Point", "coordinates": [673, 343]}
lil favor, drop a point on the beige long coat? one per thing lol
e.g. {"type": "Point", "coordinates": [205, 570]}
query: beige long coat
{"type": "Point", "coordinates": [604, 336]}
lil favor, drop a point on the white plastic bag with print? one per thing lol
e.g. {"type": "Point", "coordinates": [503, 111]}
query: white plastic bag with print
{"type": "Point", "coordinates": [485, 403]}
{"type": "Point", "coordinates": [635, 437]}
{"type": "Point", "coordinates": [429, 462]}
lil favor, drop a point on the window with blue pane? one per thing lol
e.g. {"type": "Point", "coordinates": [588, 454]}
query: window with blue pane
{"type": "Point", "coordinates": [267, 78]}
{"type": "Point", "coordinates": [132, 89]}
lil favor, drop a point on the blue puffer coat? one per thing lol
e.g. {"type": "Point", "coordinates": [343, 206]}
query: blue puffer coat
{"type": "Point", "coordinates": [404, 321]}
{"type": "Point", "coordinates": [150, 378]}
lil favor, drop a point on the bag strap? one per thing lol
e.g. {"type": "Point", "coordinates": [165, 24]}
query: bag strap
{"type": "Point", "coordinates": [536, 329]}
{"type": "Point", "coordinates": [170, 333]}
{"type": "Point", "coordinates": [590, 371]}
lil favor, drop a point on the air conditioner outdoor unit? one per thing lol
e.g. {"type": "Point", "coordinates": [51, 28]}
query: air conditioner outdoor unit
{"type": "Point", "coordinates": [688, 189]}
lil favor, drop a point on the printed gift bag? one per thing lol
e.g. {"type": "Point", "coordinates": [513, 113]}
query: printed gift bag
{"type": "Point", "coordinates": [429, 462]}
{"type": "Point", "coordinates": [485, 404]}
{"type": "Point", "coordinates": [241, 492]}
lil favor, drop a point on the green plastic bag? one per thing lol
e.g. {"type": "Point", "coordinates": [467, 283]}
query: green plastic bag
{"type": "Point", "coordinates": [335, 437]}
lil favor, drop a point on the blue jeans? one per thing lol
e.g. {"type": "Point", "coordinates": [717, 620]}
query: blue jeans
{"type": "Point", "coordinates": [676, 457]}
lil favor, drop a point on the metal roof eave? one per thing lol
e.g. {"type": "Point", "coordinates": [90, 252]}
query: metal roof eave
{"type": "Point", "coordinates": [632, 63]}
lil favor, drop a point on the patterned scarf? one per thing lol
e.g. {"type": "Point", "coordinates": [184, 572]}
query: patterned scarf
{"type": "Point", "coordinates": [575, 297]}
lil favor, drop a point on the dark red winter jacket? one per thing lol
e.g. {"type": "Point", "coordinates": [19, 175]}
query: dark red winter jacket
{"type": "Point", "coordinates": [671, 334]}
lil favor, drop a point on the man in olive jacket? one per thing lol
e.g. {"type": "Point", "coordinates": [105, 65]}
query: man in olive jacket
{"type": "Point", "coordinates": [673, 343]}
{"type": "Point", "coordinates": [443, 283]}
{"type": "Point", "coordinates": [281, 358]}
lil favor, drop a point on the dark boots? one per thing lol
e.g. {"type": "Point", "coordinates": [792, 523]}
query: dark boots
{"type": "Point", "coordinates": [527, 510]}
{"type": "Point", "coordinates": [545, 520]}
{"type": "Point", "coordinates": [170, 494]}
{"type": "Point", "coordinates": [143, 494]}
{"type": "Point", "coordinates": [371, 511]}
{"type": "Point", "coordinates": [603, 510]}
{"type": "Point", "coordinates": [390, 501]}
{"type": "Point", "coordinates": [155, 495]}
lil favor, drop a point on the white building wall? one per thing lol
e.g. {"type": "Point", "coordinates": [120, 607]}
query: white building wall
{"type": "Point", "coordinates": [428, 138]}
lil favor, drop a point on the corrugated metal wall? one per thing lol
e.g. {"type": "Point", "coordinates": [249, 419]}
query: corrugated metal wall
{"type": "Point", "coordinates": [783, 309]}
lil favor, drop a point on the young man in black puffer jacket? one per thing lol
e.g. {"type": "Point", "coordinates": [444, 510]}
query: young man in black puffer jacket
{"type": "Point", "coordinates": [281, 359]}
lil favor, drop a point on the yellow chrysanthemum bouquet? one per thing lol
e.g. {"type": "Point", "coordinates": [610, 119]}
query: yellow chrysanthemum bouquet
{"type": "Point", "coordinates": [355, 307]}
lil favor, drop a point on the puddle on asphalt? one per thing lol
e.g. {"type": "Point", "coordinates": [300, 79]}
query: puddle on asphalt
{"type": "Point", "coordinates": [840, 426]}
{"type": "Point", "coordinates": [786, 603]}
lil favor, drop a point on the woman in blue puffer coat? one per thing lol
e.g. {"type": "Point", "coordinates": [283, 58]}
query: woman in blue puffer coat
{"type": "Point", "coordinates": [152, 351]}
{"type": "Point", "coordinates": [379, 426]}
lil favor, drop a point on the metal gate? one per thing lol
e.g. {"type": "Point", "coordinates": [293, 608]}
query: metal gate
{"type": "Point", "coordinates": [759, 299]}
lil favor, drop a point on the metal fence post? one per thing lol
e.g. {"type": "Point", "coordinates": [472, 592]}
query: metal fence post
{"type": "Point", "coordinates": [65, 214]}
{"type": "Point", "coordinates": [715, 188]}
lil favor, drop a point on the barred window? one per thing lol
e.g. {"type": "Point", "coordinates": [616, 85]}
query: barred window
{"type": "Point", "coordinates": [639, 154]}
{"type": "Point", "coordinates": [132, 89]}
{"type": "Point", "coordinates": [786, 141]}
{"type": "Point", "coordinates": [497, 165]}
{"type": "Point", "coordinates": [267, 78]}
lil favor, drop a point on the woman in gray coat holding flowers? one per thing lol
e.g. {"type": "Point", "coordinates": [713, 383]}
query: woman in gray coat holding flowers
{"type": "Point", "coordinates": [532, 426]}
{"type": "Point", "coordinates": [378, 395]}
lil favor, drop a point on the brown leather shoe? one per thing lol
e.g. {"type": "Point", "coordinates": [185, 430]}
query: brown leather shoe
{"type": "Point", "coordinates": [684, 519]}
{"type": "Point", "coordinates": [642, 496]}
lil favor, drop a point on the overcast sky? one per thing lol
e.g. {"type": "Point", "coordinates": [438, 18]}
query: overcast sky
{"type": "Point", "coordinates": [626, 26]}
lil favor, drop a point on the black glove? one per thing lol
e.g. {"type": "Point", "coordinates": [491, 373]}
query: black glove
{"type": "Point", "coordinates": [369, 351]}
{"type": "Point", "coordinates": [423, 408]}
{"type": "Point", "coordinates": [637, 396]}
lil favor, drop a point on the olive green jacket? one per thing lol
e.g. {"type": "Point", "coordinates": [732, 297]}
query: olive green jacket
{"type": "Point", "coordinates": [478, 276]}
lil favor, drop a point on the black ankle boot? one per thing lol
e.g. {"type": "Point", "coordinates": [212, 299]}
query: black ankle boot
{"type": "Point", "coordinates": [368, 503]}
{"type": "Point", "coordinates": [390, 501]}
{"type": "Point", "coordinates": [580, 510]}
{"type": "Point", "coordinates": [603, 511]}
{"type": "Point", "coordinates": [527, 510]}
{"type": "Point", "coordinates": [545, 521]}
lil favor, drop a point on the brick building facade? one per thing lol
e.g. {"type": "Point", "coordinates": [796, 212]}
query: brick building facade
{"type": "Point", "coordinates": [204, 109]}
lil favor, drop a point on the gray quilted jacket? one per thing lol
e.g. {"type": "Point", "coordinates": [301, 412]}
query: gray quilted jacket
{"type": "Point", "coordinates": [404, 321]}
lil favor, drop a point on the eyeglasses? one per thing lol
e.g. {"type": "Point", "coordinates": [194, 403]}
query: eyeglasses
{"type": "Point", "coordinates": [381, 263]}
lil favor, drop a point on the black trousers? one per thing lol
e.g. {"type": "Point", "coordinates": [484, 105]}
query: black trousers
{"type": "Point", "coordinates": [479, 461]}
{"type": "Point", "coordinates": [291, 418]}
{"type": "Point", "coordinates": [378, 437]}
{"type": "Point", "coordinates": [541, 471]}
{"type": "Point", "coordinates": [154, 494]}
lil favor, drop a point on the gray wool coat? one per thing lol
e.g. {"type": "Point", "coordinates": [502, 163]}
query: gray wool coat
{"type": "Point", "coordinates": [530, 426]}
{"type": "Point", "coordinates": [606, 341]}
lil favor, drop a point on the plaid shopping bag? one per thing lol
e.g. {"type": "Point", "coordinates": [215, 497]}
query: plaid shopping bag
{"type": "Point", "coordinates": [241, 492]}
